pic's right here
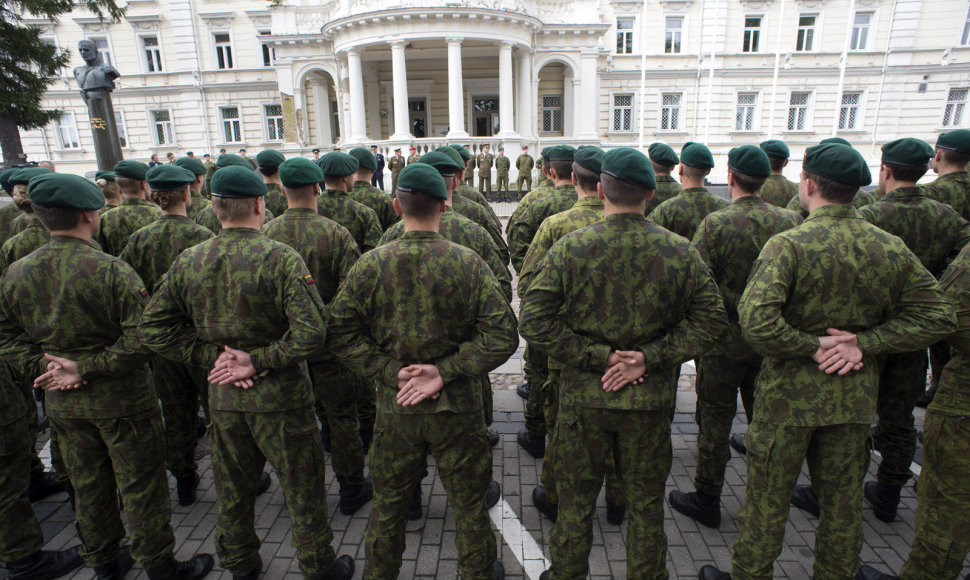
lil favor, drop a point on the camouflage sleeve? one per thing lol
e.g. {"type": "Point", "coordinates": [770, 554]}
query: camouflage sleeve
{"type": "Point", "coordinates": [963, 238]}
{"type": "Point", "coordinates": [521, 233]}
{"type": "Point", "coordinates": [537, 250]}
{"type": "Point", "coordinates": [702, 241]}
{"type": "Point", "coordinates": [498, 268]}
{"type": "Point", "coordinates": [394, 232]}
{"type": "Point", "coordinates": [956, 283]}
{"type": "Point", "coordinates": [167, 329]}
{"type": "Point", "coordinates": [15, 345]}
{"type": "Point", "coordinates": [495, 231]}
{"type": "Point", "coordinates": [345, 255]}
{"type": "Point", "coordinates": [372, 231]}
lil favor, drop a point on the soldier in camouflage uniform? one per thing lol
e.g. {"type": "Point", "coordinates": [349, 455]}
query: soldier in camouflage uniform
{"type": "Point", "coordinates": [469, 175]}
{"type": "Point", "coordinates": [685, 212]}
{"type": "Point", "coordinates": [134, 213]}
{"type": "Point", "coordinates": [502, 166]}
{"type": "Point", "coordinates": [412, 156]}
{"type": "Point", "coordinates": [395, 165]}
{"type": "Point", "coordinates": [618, 302]}
{"type": "Point", "coordinates": [329, 251]}
{"type": "Point", "coordinates": [18, 181]}
{"type": "Point", "coordinates": [151, 251]}
{"type": "Point", "coordinates": [544, 179]}
{"type": "Point", "coordinates": [777, 191]}
{"type": "Point", "coordinates": [210, 169]}
{"type": "Point", "coordinates": [484, 162]}
{"type": "Point", "coordinates": [524, 164]}
{"type": "Point", "coordinates": [268, 161]}
{"type": "Point", "coordinates": [339, 172]}
{"type": "Point", "coordinates": [9, 211]}
{"type": "Point", "coordinates": [112, 196]}
{"type": "Point", "coordinates": [34, 234]}
{"type": "Point", "coordinates": [465, 202]}
{"type": "Point", "coordinates": [100, 395]}
{"type": "Point", "coordinates": [466, 190]}
{"type": "Point", "coordinates": [810, 287]}
{"type": "Point", "coordinates": [365, 193]}
{"type": "Point", "coordinates": [254, 320]}
{"type": "Point", "coordinates": [663, 159]}
{"type": "Point", "coordinates": [861, 199]}
{"type": "Point", "coordinates": [199, 203]}
{"type": "Point", "coordinates": [384, 323]}
{"type": "Point", "coordinates": [729, 241]}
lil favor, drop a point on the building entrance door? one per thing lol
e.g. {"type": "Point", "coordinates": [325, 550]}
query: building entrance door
{"type": "Point", "coordinates": [485, 121]}
{"type": "Point", "coordinates": [418, 117]}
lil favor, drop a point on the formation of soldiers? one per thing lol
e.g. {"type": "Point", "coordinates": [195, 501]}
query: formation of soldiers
{"type": "Point", "coordinates": [307, 311]}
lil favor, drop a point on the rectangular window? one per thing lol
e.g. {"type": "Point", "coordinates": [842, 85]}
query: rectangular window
{"type": "Point", "coordinates": [752, 34]}
{"type": "Point", "coordinates": [269, 53]}
{"type": "Point", "coordinates": [806, 32]}
{"type": "Point", "coordinates": [744, 117]}
{"type": "Point", "coordinates": [552, 114]}
{"type": "Point", "coordinates": [673, 34]}
{"type": "Point", "coordinates": [965, 38]}
{"type": "Point", "coordinates": [623, 112]}
{"type": "Point", "coordinates": [274, 122]}
{"type": "Point", "coordinates": [65, 129]}
{"type": "Point", "coordinates": [670, 112]}
{"type": "Point", "coordinates": [849, 113]}
{"type": "Point", "coordinates": [223, 50]}
{"type": "Point", "coordinates": [104, 51]}
{"type": "Point", "coordinates": [122, 128]}
{"type": "Point", "coordinates": [798, 111]}
{"type": "Point", "coordinates": [860, 30]}
{"type": "Point", "coordinates": [164, 133]}
{"type": "Point", "coordinates": [624, 36]}
{"type": "Point", "coordinates": [231, 130]}
{"type": "Point", "coordinates": [152, 53]}
{"type": "Point", "coordinates": [956, 103]}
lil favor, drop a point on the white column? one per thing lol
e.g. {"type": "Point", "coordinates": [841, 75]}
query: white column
{"type": "Point", "coordinates": [402, 129]}
{"type": "Point", "coordinates": [321, 98]}
{"type": "Point", "coordinates": [456, 91]}
{"type": "Point", "coordinates": [505, 100]}
{"type": "Point", "coordinates": [525, 97]}
{"type": "Point", "coordinates": [589, 103]}
{"type": "Point", "coordinates": [570, 106]}
{"type": "Point", "coordinates": [358, 126]}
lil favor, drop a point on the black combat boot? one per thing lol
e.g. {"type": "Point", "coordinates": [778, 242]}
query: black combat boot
{"type": "Point", "coordinates": [499, 570]}
{"type": "Point", "coordinates": [615, 513]}
{"type": "Point", "coordinates": [415, 509]}
{"type": "Point", "coordinates": [343, 569]}
{"type": "Point", "coordinates": [712, 573]}
{"type": "Point", "coordinates": [542, 503]}
{"type": "Point", "coordinates": [737, 443]}
{"type": "Point", "coordinates": [117, 568]}
{"type": "Point", "coordinates": [198, 567]}
{"type": "Point", "coordinates": [185, 488]}
{"type": "Point", "coordinates": [523, 389]}
{"type": "Point", "coordinates": [264, 483]}
{"type": "Point", "coordinates": [44, 485]}
{"type": "Point", "coordinates": [252, 574]}
{"type": "Point", "coordinates": [534, 446]}
{"type": "Point", "coordinates": [493, 438]}
{"type": "Point", "coordinates": [366, 436]}
{"type": "Point", "coordinates": [493, 494]}
{"type": "Point", "coordinates": [325, 435]}
{"type": "Point", "coordinates": [884, 499]}
{"type": "Point", "coordinates": [45, 564]}
{"type": "Point", "coordinates": [704, 508]}
{"type": "Point", "coordinates": [353, 497]}
{"type": "Point", "coordinates": [804, 498]}
{"type": "Point", "coordinates": [870, 573]}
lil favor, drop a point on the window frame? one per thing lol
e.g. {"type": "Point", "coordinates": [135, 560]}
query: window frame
{"type": "Point", "coordinates": [683, 32]}
{"type": "Point", "coordinates": [632, 107]}
{"type": "Point", "coordinates": [870, 31]}
{"type": "Point", "coordinates": [631, 32]}
{"type": "Point", "coordinates": [143, 52]}
{"type": "Point", "coordinates": [947, 102]}
{"type": "Point", "coordinates": [814, 29]}
{"type": "Point", "coordinates": [755, 111]}
{"type": "Point", "coordinates": [239, 120]}
{"type": "Point", "coordinates": [110, 50]}
{"type": "Point", "coordinates": [264, 47]}
{"type": "Point", "coordinates": [562, 113]}
{"type": "Point", "coordinates": [59, 126]}
{"type": "Point", "coordinates": [153, 126]}
{"type": "Point", "coordinates": [860, 110]}
{"type": "Point", "coordinates": [965, 31]}
{"type": "Point", "coordinates": [680, 116]}
{"type": "Point", "coordinates": [266, 119]}
{"type": "Point", "coordinates": [122, 122]}
{"type": "Point", "coordinates": [744, 29]}
{"type": "Point", "coordinates": [808, 106]}
{"type": "Point", "coordinates": [215, 49]}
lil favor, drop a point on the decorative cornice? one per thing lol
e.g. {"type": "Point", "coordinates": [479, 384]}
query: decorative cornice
{"type": "Point", "coordinates": [755, 4]}
{"type": "Point", "coordinates": [811, 4]}
{"type": "Point", "coordinates": [627, 6]}
{"type": "Point", "coordinates": [91, 24]}
{"type": "Point", "coordinates": [676, 5]}
{"type": "Point", "coordinates": [145, 22]}
{"type": "Point", "coordinates": [217, 19]}
{"type": "Point", "coordinates": [260, 17]}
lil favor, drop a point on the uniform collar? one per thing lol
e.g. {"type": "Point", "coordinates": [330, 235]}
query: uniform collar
{"type": "Point", "coordinates": [237, 232]}
{"type": "Point", "coordinates": [905, 192]}
{"type": "Point", "coordinates": [838, 210]}
{"type": "Point", "coordinates": [591, 201]}
{"type": "Point", "coordinates": [69, 241]}
{"type": "Point", "coordinates": [422, 235]}
{"type": "Point", "coordinates": [136, 201]}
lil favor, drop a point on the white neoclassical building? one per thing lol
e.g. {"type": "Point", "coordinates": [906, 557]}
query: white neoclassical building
{"type": "Point", "coordinates": [295, 75]}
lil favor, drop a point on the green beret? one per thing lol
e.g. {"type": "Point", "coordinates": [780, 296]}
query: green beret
{"type": "Point", "coordinates": [630, 166]}
{"type": "Point", "coordinates": [269, 158]}
{"type": "Point", "coordinates": [545, 152]}
{"type": "Point", "coordinates": [64, 190]}
{"type": "Point", "coordinates": [189, 153]}
{"type": "Point", "coordinates": [562, 153]}
{"type": "Point", "coordinates": [445, 165]}
{"type": "Point", "coordinates": [749, 160]}
{"type": "Point", "coordinates": [23, 175]}
{"type": "Point", "coordinates": [337, 164]}
{"type": "Point", "coordinates": [237, 182]}
{"type": "Point", "coordinates": [232, 160]}
{"type": "Point", "coordinates": [775, 148]}
{"type": "Point", "coordinates": [958, 140]}
{"type": "Point", "coordinates": [663, 154]}
{"type": "Point", "coordinates": [105, 175]}
{"type": "Point", "coordinates": [131, 169]}
{"type": "Point", "coordinates": [300, 172]}
{"type": "Point", "coordinates": [696, 155]}
{"type": "Point", "coordinates": [364, 158]}
{"type": "Point", "coordinates": [5, 179]}
{"type": "Point", "coordinates": [192, 164]}
{"type": "Point", "coordinates": [465, 155]}
{"type": "Point", "coordinates": [589, 157]}
{"type": "Point", "coordinates": [907, 151]}
{"type": "Point", "coordinates": [168, 177]}
{"type": "Point", "coordinates": [424, 178]}
{"type": "Point", "coordinates": [837, 162]}
{"type": "Point", "coordinates": [451, 152]}
{"type": "Point", "coordinates": [835, 141]}
{"type": "Point", "coordinates": [501, 148]}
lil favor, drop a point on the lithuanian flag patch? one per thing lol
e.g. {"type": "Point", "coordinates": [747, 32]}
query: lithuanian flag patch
{"type": "Point", "coordinates": [144, 292]}
{"type": "Point", "coordinates": [308, 279]}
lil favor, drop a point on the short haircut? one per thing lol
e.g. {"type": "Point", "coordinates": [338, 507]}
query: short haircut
{"type": "Point", "coordinates": [777, 163]}
{"type": "Point", "coordinates": [332, 178]}
{"type": "Point", "coordinates": [694, 172]}
{"type": "Point", "coordinates": [952, 157]}
{"type": "Point", "coordinates": [747, 183]}
{"type": "Point", "coordinates": [57, 218]}
{"type": "Point", "coordinates": [906, 172]}
{"type": "Point", "coordinates": [128, 185]}
{"type": "Point", "coordinates": [586, 178]}
{"type": "Point", "coordinates": [269, 171]}
{"type": "Point", "coordinates": [233, 209]}
{"type": "Point", "coordinates": [301, 193]}
{"type": "Point", "coordinates": [109, 188]}
{"type": "Point", "coordinates": [418, 204]}
{"type": "Point", "coordinates": [20, 197]}
{"type": "Point", "coordinates": [662, 169]}
{"type": "Point", "coordinates": [623, 193]}
{"type": "Point", "coordinates": [562, 167]}
{"type": "Point", "coordinates": [832, 190]}
{"type": "Point", "coordinates": [168, 198]}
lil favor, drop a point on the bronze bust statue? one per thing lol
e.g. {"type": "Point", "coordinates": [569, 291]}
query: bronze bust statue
{"type": "Point", "coordinates": [95, 77]}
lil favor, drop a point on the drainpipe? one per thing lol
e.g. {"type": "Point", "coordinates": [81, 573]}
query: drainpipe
{"type": "Point", "coordinates": [643, 74]}
{"type": "Point", "coordinates": [842, 66]}
{"type": "Point", "coordinates": [200, 79]}
{"type": "Point", "coordinates": [774, 80]}
{"type": "Point", "coordinates": [710, 75]}
{"type": "Point", "coordinates": [882, 81]}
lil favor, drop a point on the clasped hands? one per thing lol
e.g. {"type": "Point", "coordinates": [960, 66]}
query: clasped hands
{"type": "Point", "coordinates": [838, 352]}
{"type": "Point", "coordinates": [622, 368]}
{"type": "Point", "coordinates": [233, 366]}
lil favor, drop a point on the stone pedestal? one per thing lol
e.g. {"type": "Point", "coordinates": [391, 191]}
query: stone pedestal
{"type": "Point", "coordinates": [104, 129]}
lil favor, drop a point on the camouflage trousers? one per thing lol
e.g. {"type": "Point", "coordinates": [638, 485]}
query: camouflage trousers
{"type": "Point", "coordinates": [837, 458]}
{"type": "Point", "coordinates": [20, 534]}
{"type": "Point", "coordinates": [640, 442]}
{"type": "Point", "coordinates": [338, 390]}
{"type": "Point", "coordinates": [942, 537]}
{"type": "Point", "coordinates": [901, 382]}
{"type": "Point", "coordinates": [485, 184]}
{"type": "Point", "coordinates": [459, 444]}
{"type": "Point", "coordinates": [614, 490]}
{"type": "Point", "coordinates": [536, 368]}
{"type": "Point", "coordinates": [718, 381]}
{"type": "Point", "coordinates": [502, 185]}
{"type": "Point", "coordinates": [939, 356]}
{"type": "Point", "coordinates": [127, 455]}
{"type": "Point", "coordinates": [178, 388]}
{"type": "Point", "coordinates": [525, 178]}
{"type": "Point", "coordinates": [487, 403]}
{"type": "Point", "coordinates": [241, 444]}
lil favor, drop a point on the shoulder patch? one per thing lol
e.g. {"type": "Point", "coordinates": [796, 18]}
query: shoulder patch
{"type": "Point", "coordinates": [144, 292]}
{"type": "Point", "coordinates": [308, 279]}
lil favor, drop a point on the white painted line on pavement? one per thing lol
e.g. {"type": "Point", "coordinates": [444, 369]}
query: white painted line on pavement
{"type": "Point", "coordinates": [519, 540]}
{"type": "Point", "coordinates": [45, 455]}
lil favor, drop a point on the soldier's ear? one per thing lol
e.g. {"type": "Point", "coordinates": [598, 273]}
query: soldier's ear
{"type": "Point", "coordinates": [397, 206]}
{"type": "Point", "coordinates": [599, 191]}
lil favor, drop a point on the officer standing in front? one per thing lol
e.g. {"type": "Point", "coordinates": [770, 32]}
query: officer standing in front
{"type": "Point", "coordinates": [396, 164]}
{"type": "Point", "coordinates": [524, 164]}
{"type": "Point", "coordinates": [484, 162]}
{"type": "Point", "coordinates": [377, 180]}
{"type": "Point", "coordinates": [502, 166]}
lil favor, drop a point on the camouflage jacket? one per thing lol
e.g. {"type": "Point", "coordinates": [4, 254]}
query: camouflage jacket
{"type": "Point", "coordinates": [249, 292]}
{"type": "Point", "coordinates": [683, 213]}
{"type": "Point", "coordinates": [199, 203]}
{"type": "Point", "coordinates": [106, 209]}
{"type": "Point", "coordinates": [778, 191]}
{"type": "Point", "coordinates": [458, 229]}
{"type": "Point", "coordinates": [729, 241]}
{"type": "Point", "coordinates": [623, 283]}
{"type": "Point", "coordinates": [835, 270]}
{"type": "Point", "coordinates": [20, 223]}
{"type": "Point", "coordinates": [207, 218]}
{"type": "Point", "coordinates": [523, 227]}
{"type": "Point", "coordinates": [667, 188]}
{"type": "Point", "coordinates": [391, 312]}
{"type": "Point", "coordinates": [524, 163]}
{"type": "Point", "coordinates": [396, 164]}
{"type": "Point", "coordinates": [469, 192]}
{"type": "Point", "coordinates": [326, 247]}
{"type": "Point", "coordinates": [275, 200]}
{"type": "Point", "coordinates": [502, 166]}
{"type": "Point", "coordinates": [118, 224]}
{"type": "Point", "coordinates": [953, 395]}
{"type": "Point", "coordinates": [33, 237]}
{"type": "Point", "coordinates": [7, 215]}
{"type": "Point", "coordinates": [932, 230]}
{"type": "Point", "coordinates": [480, 216]}
{"type": "Point", "coordinates": [952, 189]}
{"type": "Point", "coordinates": [484, 162]}
{"type": "Point", "coordinates": [378, 201]}
{"type": "Point", "coordinates": [360, 220]}
{"type": "Point", "coordinates": [861, 199]}
{"type": "Point", "coordinates": [70, 299]}
{"type": "Point", "coordinates": [152, 249]}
